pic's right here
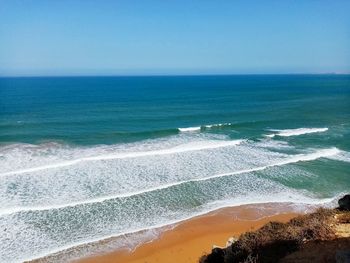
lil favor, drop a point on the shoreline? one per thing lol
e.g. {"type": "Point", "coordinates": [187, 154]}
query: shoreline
{"type": "Point", "coordinates": [188, 240]}
{"type": "Point", "coordinates": [251, 213]}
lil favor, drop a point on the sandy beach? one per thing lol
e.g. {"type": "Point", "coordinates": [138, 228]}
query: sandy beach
{"type": "Point", "coordinates": [190, 239]}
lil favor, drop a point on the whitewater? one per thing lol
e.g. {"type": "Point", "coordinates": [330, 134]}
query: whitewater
{"type": "Point", "coordinates": [239, 160]}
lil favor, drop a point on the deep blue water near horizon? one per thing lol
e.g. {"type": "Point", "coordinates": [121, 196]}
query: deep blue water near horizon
{"type": "Point", "coordinates": [83, 158]}
{"type": "Point", "coordinates": [106, 110]}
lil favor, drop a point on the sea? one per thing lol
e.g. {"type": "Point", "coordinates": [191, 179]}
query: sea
{"type": "Point", "coordinates": [83, 159]}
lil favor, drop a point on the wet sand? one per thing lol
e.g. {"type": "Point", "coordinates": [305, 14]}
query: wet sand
{"type": "Point", "coordinates": [190, 239]}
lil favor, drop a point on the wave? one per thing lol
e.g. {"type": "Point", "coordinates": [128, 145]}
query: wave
{"type": "Point", "coordinates": [204, 127]}
{"type": "Point", "coordinates": [343, 156]}
{"type": "Point", "coordinates": [295, 132]}
{"type": "Point", "coordinates": [190, 129]}
{"type": "Point", "coordinates": [219, 125]}
{"type": "Point", "coordinates": [194, 146]}
{"type": "Point", "coordinates": [322, 153]}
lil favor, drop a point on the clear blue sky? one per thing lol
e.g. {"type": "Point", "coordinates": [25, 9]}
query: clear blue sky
{"type": "Point", "coordinates": [173, 37]}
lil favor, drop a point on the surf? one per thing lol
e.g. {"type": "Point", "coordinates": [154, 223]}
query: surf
{"type": "Point", "coordinates": [295, 132]}
{"type": "Point", "coordinates": [297, 202]}
{"type": "Point", "coordinates": [190, 129]}
{"type": "Point", "coordinates": [322, 153]}
{"type": "Point", "coordinates": [194, 146]}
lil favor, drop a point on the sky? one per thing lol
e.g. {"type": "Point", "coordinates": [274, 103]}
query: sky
{"type": "Point", "coordinates": [163, 37]}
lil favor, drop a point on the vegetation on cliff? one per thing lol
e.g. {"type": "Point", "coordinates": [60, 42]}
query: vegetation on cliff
{"type": "Point", "coordinates": [274, 241]}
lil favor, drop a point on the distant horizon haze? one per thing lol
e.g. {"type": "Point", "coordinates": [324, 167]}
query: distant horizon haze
{"type": "Point", "coordinates": [172, 75]}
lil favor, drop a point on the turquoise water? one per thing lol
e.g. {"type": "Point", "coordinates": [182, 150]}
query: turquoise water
{"type": "Point", "coordinates": [84, 158]}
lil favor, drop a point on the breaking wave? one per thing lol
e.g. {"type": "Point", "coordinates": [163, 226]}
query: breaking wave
{"type": "Point", "coordinates": [295, 132]}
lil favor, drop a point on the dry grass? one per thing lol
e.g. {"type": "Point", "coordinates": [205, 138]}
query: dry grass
{"type": "Point", "coordinates": [344, 218]}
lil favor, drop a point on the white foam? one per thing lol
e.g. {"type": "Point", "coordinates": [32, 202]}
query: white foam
{"type": "Point", "coordinates": [295, 132]}
{"type": "Point", "coordinates": [93, 179]}
{"type": "Point", "coordinates": [295, 199]}
{"type": "Point", "coordinates": [217, 125]}
{"type": "Point", "coordinates": [323, 153]}
{"type": "Point", "coordinates": [343, 156]}
{"type": "Point", "coordinates": [194, 146]}
{"type": "Point", "coordinates": [198, 128]}
{"type": "Point", "coordinates": [190, 129]}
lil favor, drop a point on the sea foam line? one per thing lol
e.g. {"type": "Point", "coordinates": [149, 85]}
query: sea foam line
{"type": "Point", "coordinates": [295, 132]}
{"type": "Point", "coordinates": [178, 149]}
{"type": "Point", "coordinates": [173, 222]}
{"type": "Point", "coordinates": [323, 153]}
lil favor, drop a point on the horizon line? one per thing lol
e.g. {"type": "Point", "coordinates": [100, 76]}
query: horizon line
{"type": "Point", "coordinates": [171, 75]}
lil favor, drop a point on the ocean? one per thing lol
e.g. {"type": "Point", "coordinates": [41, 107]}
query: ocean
{"type": "Point", "coordinates": [86, 158]}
